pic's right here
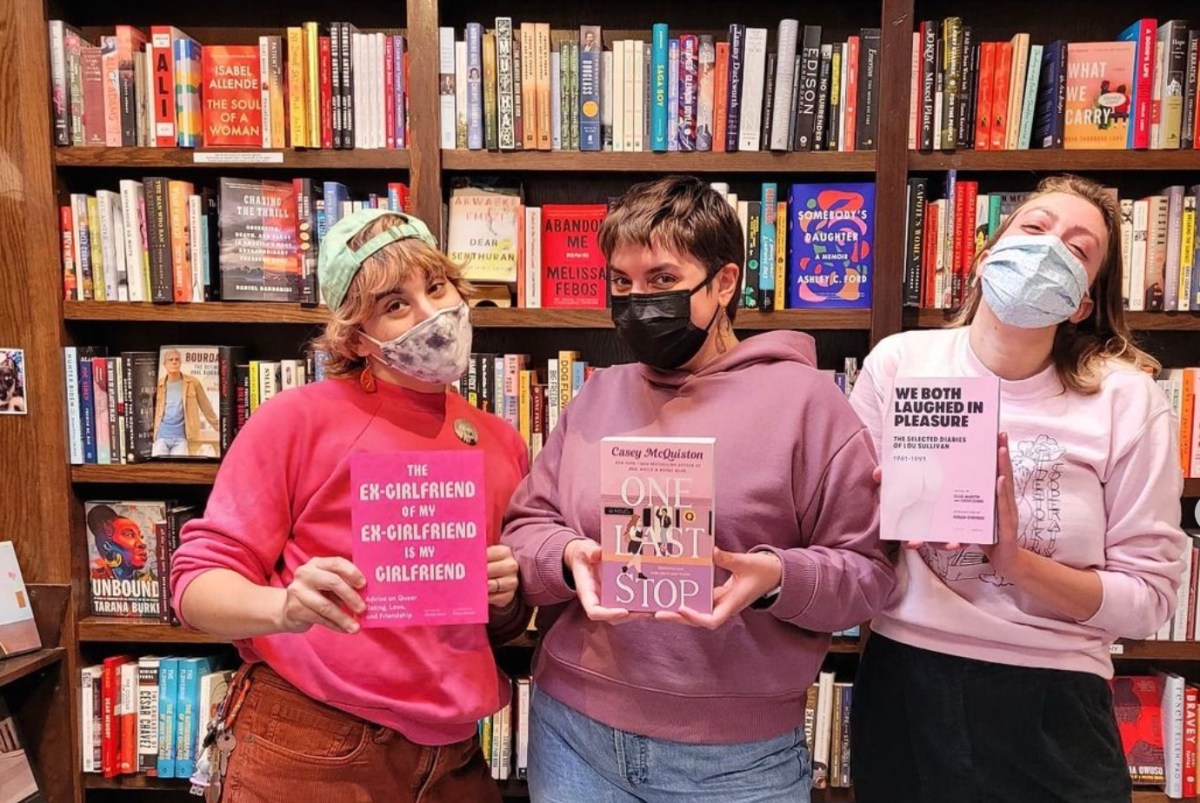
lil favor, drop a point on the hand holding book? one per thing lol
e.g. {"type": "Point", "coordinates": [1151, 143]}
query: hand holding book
{"type": "Point", "coordinates": [322, 592]}
{"type": "Point", "coordinates": [502, 576]}
{"type": "Point", "coordinates": [751, 575]}
{"type": "Point", "coordinates": [581, 558]}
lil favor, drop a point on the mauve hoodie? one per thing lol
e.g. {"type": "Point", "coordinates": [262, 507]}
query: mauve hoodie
{"type": "Point", "coordinates": [793, 467]}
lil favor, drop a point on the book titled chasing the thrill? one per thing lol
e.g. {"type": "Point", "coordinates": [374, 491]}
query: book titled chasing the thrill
{"type": "Point", "coordinates": [658, 512]}
{"type": "Point", "coordinates": [939, 460]}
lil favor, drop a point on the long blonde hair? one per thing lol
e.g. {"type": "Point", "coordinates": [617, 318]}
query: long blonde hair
{"type": "Point", "coordinates": [382, 272]}
{"type": "Point", "coordinates": [1081, 351]}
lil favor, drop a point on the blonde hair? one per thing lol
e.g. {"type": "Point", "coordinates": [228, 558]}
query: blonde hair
{"type": "Point", "coordinates": [1081, 352]}
{"type": "Point", "coordinates": [382, 272]}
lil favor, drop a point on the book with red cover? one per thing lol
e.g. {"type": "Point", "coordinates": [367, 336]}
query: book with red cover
{"type": "Point", "coordinates": [110, 692]}
{"type": "Point", "coordinates": [574, 273]}
{"type": "Point", "coordinates": [1137, 703]}
{"type": "Point", "coordinates": [232, 96]}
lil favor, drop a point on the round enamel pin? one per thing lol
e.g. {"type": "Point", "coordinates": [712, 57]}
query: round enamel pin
{"type": "Point", "coordinates": [465, 431]}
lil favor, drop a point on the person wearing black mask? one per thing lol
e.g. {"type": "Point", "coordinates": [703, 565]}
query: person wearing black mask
{"type": "Point", "coordinates": [797, 555]}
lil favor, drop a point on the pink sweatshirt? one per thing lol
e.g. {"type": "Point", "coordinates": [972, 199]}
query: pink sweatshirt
{"type": "Point", "coordinates": [793, 468]}
{"type": "Point", "coordinates": [282, 497]}
{"type": "Point", "coordinates": [1097, 485]}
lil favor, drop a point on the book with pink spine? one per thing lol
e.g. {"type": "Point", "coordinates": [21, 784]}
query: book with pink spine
{"type": "Point", "coordinates": [657, 523]}
{"type": "Point", "coordinates": [939, 460]}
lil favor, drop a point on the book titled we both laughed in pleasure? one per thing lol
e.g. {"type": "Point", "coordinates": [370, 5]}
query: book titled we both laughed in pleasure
{"type": "Point", "coordinates": [939, 460]}
{"type": "Point", "coordinates": [657, 523]}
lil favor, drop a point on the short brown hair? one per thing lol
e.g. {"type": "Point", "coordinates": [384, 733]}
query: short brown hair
{"type": "Point", "coordinates": [1081, 351]}
{"type": "Point", "coordinates": [382, 272]}
{"type": "Point", "coordinates": [681, 214]}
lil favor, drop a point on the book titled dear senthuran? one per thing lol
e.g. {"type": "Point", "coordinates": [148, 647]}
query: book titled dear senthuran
{"type": "Point", "coordinates": [939, 461]}
{"type": "Point", "coordinates": [657, 523]}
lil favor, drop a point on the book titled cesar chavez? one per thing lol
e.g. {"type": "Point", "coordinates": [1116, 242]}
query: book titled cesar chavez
{"type": "Point", "coordinates": [939, 460]}
{"type": "Point", "coordinates": [657, 522]}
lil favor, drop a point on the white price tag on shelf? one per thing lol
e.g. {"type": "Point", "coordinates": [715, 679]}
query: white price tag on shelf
{"type": "Point", "coordinates": [1116, 649]}
{"type": "Point", "coordinates": [237, 157]}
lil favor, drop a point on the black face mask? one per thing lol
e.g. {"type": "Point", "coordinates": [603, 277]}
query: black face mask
{"type": "Point", "coordinates": [658, 328]}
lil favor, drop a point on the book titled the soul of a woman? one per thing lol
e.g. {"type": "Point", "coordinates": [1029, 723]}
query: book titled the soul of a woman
{"type": "Point", "coordinates": [657, 523]}
{"type": "Point", "coordinates": [939, 460]}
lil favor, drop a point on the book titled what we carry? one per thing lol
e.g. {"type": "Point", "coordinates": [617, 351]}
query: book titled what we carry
{"type": "Point", "coordinates": [939, 460]}
{"type": "Point", "coordinates": [657, 522]}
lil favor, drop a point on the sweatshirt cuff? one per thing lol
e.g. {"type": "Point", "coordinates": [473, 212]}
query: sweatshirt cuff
{"type": "Point", "coordinates": [1123, 611]}
{"type": "Point", "coordinates": [551, 574]}
{"type": "Point", "coordinates": [798, 583]}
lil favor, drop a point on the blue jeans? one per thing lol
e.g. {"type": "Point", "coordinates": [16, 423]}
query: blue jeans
{"type": "Point", "coordinates": [575, 759]}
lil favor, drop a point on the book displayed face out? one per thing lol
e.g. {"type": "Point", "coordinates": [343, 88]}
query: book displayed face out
{"type": "Point", "coordinates": [657, 523]}
{"type": "Point", "coordinates": [939, 460]}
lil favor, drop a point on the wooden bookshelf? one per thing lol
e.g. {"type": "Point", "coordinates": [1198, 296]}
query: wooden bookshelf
{"type": "Point", "coordinates": [159, 472]}
{"type": "Point", "coordinates": [1048, 161]}
{"type": "Point", "coordinates": [230, 158]}
{"type": "Point", "coordinates": [1138, 321]}
{"type": "Point", "coordinates": [1157, 650]}
{"type": "Point", "coordinates": [136, 783]}
{"type": "Point", "coordinates": [20, 666]}
{"type": "Point", "coordinates": [481, 317]}
{"type": "Point", "coordinates": [695, 162]}
{"type": "Point", "coordinates": [1191, 488]}
{"type": "Point", "coordinates": [116, 629]}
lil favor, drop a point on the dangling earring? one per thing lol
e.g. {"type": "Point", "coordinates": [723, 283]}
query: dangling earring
{"type": "Point", "coordinates": [724, 329]}
{"type": "Point", "coordinates": [366, 379]}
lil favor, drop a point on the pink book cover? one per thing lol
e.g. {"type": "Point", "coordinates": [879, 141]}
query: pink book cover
{"type": "Point", "coordinates": [939, 461]}
{"type": "Point", "coordinates": [656, 523]}
{"type": "Point", "coordinates": [420, 537]}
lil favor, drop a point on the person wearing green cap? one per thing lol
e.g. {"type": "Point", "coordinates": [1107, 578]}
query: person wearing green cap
{"type": "Point", "coordinates": [342, 711]}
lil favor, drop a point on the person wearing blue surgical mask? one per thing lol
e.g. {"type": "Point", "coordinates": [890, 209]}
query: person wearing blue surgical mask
{"type": "Point", "coordinates": [985, 676]}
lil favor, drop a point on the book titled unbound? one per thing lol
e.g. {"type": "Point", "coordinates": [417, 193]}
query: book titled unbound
{"type": "Point", "coordinates": [657, 523]}
{"type": "Point", "coordinates": [939, 460]}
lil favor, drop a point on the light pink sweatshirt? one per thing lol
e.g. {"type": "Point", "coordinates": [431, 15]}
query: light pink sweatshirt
{"type": "Point", "coordinates": [1097, 486]}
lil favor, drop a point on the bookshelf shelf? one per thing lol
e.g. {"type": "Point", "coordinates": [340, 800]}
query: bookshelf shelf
{"type": "Point", "coordinates": [20, 666]}
{"type": "Point", "coordinates": [482, 317]}
{"type": "Point", "coordinates": [1157, 650]}
{"type": "Point", "coordinates": [1139, 321]}
{"type": "Point", "coordinates": [1050, 160]}
{"type": "Point", "coordinates": [1191, 489]}
{"type": "Point", "coordinates": [156, 473]}
{"type": "Point", "coordinates": [228, 159]}
{"type": "Point", "coordinates": [136, 783]}
{"type": "Point", "coordinates": [112, 629]}
{"type": "Point", "coordinates": [707, 162]}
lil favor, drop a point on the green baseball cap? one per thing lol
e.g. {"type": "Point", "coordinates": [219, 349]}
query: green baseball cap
{"type": "Point", "coordinates": [339, 263]}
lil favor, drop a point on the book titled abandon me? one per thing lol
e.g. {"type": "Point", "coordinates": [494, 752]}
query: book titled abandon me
{"type": "Point", "coordinates": [657, 523]}
{"type": "Point", "coordinates": [939, 461]}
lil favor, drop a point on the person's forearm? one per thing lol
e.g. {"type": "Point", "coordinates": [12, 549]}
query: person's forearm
{"type": "Point", "coordinates": [226, 604]}
{"type": "Point", "coordinates": [1074, 593]}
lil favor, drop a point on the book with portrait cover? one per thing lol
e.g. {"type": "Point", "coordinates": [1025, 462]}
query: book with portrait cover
{"type": "Point", "coordinates": [939, 460]}
{"type": "Point", "coordinates": [657, 523]}
{"type": "Point", "coordinates": [125, 558]}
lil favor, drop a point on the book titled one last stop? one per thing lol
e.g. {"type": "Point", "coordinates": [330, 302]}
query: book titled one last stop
{"type": "Point", "coordinates": [939, 460]}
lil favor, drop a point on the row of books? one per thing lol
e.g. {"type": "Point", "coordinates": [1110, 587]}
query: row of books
{"type": "Point", "coordinates": [812, 248]}
{"type": "Point", "coordinates": [1137, 92]}
{"type": "Point", "coordinates": [504, 735]}
{"type": "Point", "coordinates": [1159, 247]}
{"type": "Point", "coordinates": [167, 241]}
{"type": "Point", "coordinates": [525, 87]}
{"type": "Point", "coordinates": [316, 86]}
{"type": "Point", "coordinates": [147, 715]}
{"type": "Point", "coordinates": [1157, 720]}
{"type": "Point", "coordinates": [1182, 387]}
{"type": "Point", "coordinates": [119, 407]}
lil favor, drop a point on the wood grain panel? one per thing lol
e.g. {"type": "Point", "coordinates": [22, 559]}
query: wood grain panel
{"type": "Point", "coordinates": [166, 158]}
{"type": "Point", "coordinates": [1055, 160]}
{"type": "Point", "coordinates": [614, 162]}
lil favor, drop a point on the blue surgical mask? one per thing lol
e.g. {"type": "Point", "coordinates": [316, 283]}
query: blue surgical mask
{"type": "Point", "coordinates": [1032, 281]}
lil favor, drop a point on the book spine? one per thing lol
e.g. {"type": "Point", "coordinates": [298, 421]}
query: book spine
{"type": "Point", "coordinates": [474, 86]}
{"type": "Point", "coordinates": [507, 134]}
{"type": "Point", "coordinates": [1187, 137]}
{"type": "Point", "coordinates": [808, 94]}
{"type": "Point", "coordinates": [542, 80]}
{"type": "Point", "coordinates": [349, 107]}
{"type": "Point", "coordinates": [590, 76]}
{"type": "Point", "coordinates": [964, 118]}
{"type": "Point", "coordinates": [785, 70]}
{"type": "Point", "coordinates": [766, 251]}
{"type": "Point", "coordinates": [446, 88]}
{"type": "Point", "coordinates": [929, 40]}
{"type": "Point", "coordinates": [689, 56]}
{"type": "Point", "coordinates": [733, 92]}
{"type": "Point", "coordinates": [820, 138]}
{"type": "Point", "coordinates": [58, 83]}
{"type": "Point", "coordinates": [867, 127]}
{"type": "Point", "coordinates": [572, 110]}
{"type": "Point", "coordinates": [917, 200]}
{"type": "Point", "coordinates": [754, 65]}
{"type": "Point", "coordinates": [324, 91]}
{"type": "Point", "coordinates": [74, 411]}
{"type": "Point", "coordinates": [658, 72]}
{"type": "Point", "coordinates": [158, 239]}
